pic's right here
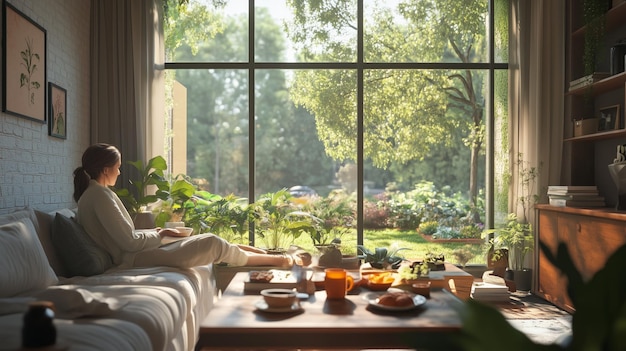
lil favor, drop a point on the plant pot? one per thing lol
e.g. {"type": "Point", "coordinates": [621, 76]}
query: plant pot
{"type": "Point", "coordinates": [523, 279]}
{"type": "Point", "coordinates": [144, 220]}
{"type": "Point", "coordinates": [502, 261]}
{"type": "Point", "coordinates": [330, 256]}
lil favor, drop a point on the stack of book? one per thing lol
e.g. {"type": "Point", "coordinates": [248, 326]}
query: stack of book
{"type": "Point", "coordinates": [488, 292]}
{"type": "Point", "coordinates": [587, 80]}
{"type": "Point", "coordinates": [575, 196]}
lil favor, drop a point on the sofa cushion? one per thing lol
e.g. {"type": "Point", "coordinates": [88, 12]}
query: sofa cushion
{"type": "Point", "coordinates": [45, 226]}
{"type": "Point", "coordinates": [79, 254]}
{"type": "Point", "coordinates": [24, 264]}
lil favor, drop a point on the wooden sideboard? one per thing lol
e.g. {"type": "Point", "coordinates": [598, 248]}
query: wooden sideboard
{"type": "Point", "coordinates": [592, 235]}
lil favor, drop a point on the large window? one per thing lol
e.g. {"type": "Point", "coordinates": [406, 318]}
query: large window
{"type": "Point", "coordinates": [399, 105]}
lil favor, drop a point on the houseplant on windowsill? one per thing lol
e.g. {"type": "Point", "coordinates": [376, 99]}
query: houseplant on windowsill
{"type": "Point", "coordinates": [381, 257]}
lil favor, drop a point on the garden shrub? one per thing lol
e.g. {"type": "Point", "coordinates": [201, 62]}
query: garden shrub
{"type": "Point", "coordinates": [429, 228]}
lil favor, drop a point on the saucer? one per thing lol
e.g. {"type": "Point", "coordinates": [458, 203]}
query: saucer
{"type": "Point", "coordinates": [262, 306]}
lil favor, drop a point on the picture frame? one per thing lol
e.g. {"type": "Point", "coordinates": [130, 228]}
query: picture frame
{"type": "Point", "coordinates": [24, 65]}
{"type": "Point", "coordinates": [57, 111]}
{"type": "Point", "coordinates": [609, 118]}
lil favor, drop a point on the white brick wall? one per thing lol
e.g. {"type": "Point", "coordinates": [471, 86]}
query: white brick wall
{"type": "Point", "coordinates": [36, 169]}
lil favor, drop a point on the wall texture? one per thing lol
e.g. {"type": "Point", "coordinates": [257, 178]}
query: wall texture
{"type": "Point", "coordinates": [36, 169]}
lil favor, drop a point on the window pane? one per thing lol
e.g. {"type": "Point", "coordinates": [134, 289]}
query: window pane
{"type": "Point", "coordinates": [501, 32]}
{"type": "Point", "coordinates": [425, 31]}
{"type": "Point", "coordinates": [424, 152]}
{"type": "Point", "coordinates": [305, 137]}
{"type": "Point", "coordinates": [502, 172]}
{"type": "Point", "coordinates": [322, 33]}
{"type": "Point", "coordinates": [206, 31]}
{"type": "Point", "coordinates": [217, 127]}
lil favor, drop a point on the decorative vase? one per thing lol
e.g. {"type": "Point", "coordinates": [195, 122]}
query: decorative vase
{"type": "Point", "coordinates": [618, 174]}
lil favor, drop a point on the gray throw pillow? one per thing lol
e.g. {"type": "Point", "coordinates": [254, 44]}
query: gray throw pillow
{"type": "Point", "coordinates": [78, 253]}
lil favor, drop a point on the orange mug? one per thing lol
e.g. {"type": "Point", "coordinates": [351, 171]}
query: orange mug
{"type": "Point", "coordinates": [337, 283]}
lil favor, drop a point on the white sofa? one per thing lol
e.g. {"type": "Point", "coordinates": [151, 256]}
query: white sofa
{"type": "Point", "coordinates": [132, 309]}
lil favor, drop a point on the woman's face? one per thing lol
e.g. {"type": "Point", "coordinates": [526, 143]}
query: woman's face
{"type": "Point", "coordinates": [110, 174]}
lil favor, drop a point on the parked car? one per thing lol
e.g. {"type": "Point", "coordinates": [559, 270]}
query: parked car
{"type": "Point", "coordinates": [302, 190]}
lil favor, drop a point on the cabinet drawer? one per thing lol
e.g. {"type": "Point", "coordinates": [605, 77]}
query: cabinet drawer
{"type": "Point", "coordinates": [590, 240]}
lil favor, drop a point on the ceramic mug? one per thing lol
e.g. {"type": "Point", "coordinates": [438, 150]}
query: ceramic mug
{"type": "Point", "coordinates": [337, 283]}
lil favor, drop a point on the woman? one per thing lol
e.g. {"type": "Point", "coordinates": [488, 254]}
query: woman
{"type": "Point", "coordinates": [108, 223]}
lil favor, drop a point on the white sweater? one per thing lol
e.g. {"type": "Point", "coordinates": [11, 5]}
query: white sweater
{"type": "Point", "coordinates": [105, 219]}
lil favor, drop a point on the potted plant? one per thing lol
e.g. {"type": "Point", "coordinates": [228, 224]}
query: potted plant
{"type": "Point", "coordinates": [150, 174]}
{"type": "Point", "coordinates": [517, 235]}
{"type": "Point", "coordinates": [333, 217]}
{"type": "Point", "coordinates": [278, 221]}
{"type": "Point", "coordinates": [381, 257]}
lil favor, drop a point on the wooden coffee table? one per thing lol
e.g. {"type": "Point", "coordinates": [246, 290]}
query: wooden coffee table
{"type": "Point", "coordinates": [235, 323]}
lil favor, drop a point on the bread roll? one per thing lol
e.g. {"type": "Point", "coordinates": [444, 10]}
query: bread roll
{"type": "Point", "coordinates": [396, 299]}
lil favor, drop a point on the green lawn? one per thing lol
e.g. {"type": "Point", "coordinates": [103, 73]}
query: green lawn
{"type": "Point", "coordinates": [393, 238]}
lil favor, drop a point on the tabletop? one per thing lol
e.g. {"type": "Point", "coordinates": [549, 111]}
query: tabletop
{"type": "Point", "coordinates": [236, 323]}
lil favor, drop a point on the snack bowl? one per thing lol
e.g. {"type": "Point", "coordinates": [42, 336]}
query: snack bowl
{"type": "Point", "coordinates": [277, 298]}
{"type": "Point", "coordinates": [380, 281]}
{"type": "Point", "coordinates": [184, 231]}
{"type": "Point", "coordinates": [378, 286]}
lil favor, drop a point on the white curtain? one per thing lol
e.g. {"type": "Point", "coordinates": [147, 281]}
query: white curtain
{"type": "Point", "coordinates": [127, 77]}
{"type": "Point", "coordinates": [536, 93]}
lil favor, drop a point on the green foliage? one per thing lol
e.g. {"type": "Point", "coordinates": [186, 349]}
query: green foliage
{"type": "Point", "coordinates": [278, 221]}
{"type": "Point", "coordinates": [150, 174]}
{"type": "Point", "coordinates": [228, 216]}
{"type": "Point", "coordinates": [409, 112]}
{"type": "Point", "coordinates": [515, 236]}
{"type": "Point", "coordinates": [335, 216]}
{"type": "Point", "coordinates": [429, 227]}
{"type": "Point", "coordinates": [381, 257]}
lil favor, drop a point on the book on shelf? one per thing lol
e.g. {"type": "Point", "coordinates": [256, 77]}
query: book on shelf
{"type": "Point", "coordinates": [576, 203]}
{"type": "Point", "coordinates": [577, 196]}
{"type": "Point", "coordinates": [565, 190]}
{"type": "Point", "coordinates": [572, 187]}
{"type": "Point", "coordinates": [588, 80]}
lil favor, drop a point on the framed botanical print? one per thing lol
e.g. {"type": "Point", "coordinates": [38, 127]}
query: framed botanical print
{"type": "Point", "coordinates": [57, 111]}
{"type": "Point", "coordinates": [24, 70]}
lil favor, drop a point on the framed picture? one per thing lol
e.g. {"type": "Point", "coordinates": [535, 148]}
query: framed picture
{"type": "Point", "coordinates": [24, 65]}
{"type": "Point", "coordinates": [609, 118]}
{"type": "Point", "coordinates": [57, 111]}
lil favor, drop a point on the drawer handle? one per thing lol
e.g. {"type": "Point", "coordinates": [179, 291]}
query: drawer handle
{"type": "Point", "coordinates": [580, 227]}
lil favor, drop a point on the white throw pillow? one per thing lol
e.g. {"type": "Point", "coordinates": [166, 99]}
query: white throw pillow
{"type": "Point", "coordinates": [24, 264]}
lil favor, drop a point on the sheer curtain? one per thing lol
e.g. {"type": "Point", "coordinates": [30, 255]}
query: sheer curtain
{"type": "Point", "coordinates": [536, 92]}
{"type": "Point", "coordinates": [126, 76]}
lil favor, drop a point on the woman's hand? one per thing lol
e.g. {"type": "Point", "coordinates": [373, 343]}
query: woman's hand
{"type": "Point", "coordinates": [168, 232]}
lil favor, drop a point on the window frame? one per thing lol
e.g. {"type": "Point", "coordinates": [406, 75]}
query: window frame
{"type": "Point", "coordinates": [360, 66]}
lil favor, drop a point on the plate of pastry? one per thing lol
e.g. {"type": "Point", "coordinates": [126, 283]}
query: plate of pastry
{"type": "Point", "coordinates": [395, 300]}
